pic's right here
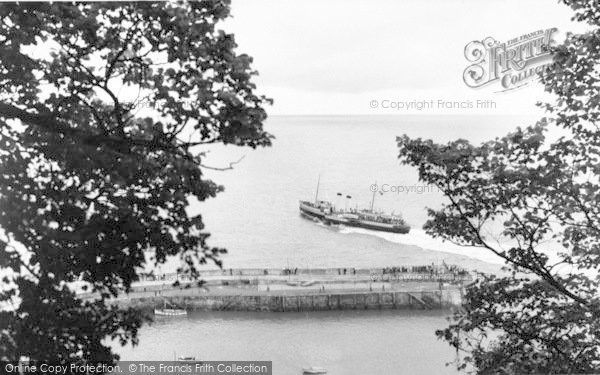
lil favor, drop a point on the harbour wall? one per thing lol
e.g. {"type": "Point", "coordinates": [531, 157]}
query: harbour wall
{"type": "Point", "coordinates": [282, 290]}
{"type": "Point", "coordinates": [422, 300]}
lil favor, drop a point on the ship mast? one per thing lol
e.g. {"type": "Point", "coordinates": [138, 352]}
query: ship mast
{"type": "Point", "coordinates": [373, 199]}
{"type": "Point", "coordinates": [317, 193]}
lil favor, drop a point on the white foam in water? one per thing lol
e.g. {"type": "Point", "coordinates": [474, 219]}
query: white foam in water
{"type": "Point", "coordinates": [418, 237]}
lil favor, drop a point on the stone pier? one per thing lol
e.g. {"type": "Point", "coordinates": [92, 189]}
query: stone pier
{"type": "Point", "coordinates": [304, 290]}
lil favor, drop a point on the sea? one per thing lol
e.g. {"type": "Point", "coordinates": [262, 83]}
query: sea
{"type": "Point", "coordinates": [256, 218]}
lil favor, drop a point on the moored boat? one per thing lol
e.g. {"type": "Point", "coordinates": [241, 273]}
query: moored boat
{"type": "Point", "coordinates": [165, 311]}
{"type": "Point", "coordinates": [186, 359]}
{"type": "Point", "coordinates": [314, 370]}
{"type": "Point", "coordinates": [170, 312]}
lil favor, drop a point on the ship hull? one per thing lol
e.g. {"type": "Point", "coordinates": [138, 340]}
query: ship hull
{"type": "Point", "coordinates": [329, 219]}
{"type": "Point", "coordinates": [311, 211]}
{"type": "Point", "coordinates": [403, 229]}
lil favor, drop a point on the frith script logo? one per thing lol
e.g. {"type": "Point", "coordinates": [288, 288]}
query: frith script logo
{"type": "Point", "coordinates": [512, 64]}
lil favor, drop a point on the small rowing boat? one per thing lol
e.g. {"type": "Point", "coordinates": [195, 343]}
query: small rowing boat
{"type": "Point", "coordinates": [314, 370]}
{"type": "Point", "coordinates": [186, 359]}
{"type": "Point", "coordinates": [169, 312]}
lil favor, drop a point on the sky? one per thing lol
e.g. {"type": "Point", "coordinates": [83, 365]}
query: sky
{"type": "Point", "coordinates": [337, 57]}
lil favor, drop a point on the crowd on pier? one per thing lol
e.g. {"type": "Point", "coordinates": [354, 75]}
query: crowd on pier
{"type": "Point", "coordinates": [428, 269]}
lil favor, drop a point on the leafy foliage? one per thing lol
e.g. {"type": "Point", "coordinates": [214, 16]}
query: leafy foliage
{"type": "Point", "coordinates": [87, 185]}
{"type": "Point", "coordinates": [540, 193]}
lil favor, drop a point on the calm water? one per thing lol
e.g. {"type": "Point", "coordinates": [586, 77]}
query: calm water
{"type": "Point", "coordinates": [346, 343]}
{"type": "Point", "coordinates": [257, 220]}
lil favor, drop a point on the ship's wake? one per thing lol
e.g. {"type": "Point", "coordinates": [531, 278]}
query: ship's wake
{"type": "Point", "coordinates": [418, 237]}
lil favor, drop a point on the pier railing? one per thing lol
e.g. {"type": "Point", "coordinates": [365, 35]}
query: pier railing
{"type": "Point", "coordinates": [330, 278]}
{"type": "Point", "coordinates": [429, 273]}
